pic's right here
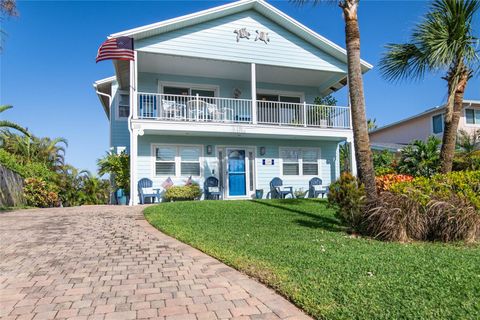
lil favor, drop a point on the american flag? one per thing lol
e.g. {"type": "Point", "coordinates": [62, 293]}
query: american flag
{"type": "Point", "coordinates": [120, 48]}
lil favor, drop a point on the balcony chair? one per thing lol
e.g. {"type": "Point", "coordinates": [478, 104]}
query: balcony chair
{"type": "Point", "coordinates": [316, 188]}
{"type": "Point", "coordinates": [212, 189]}
{"type": "Point", "coordinates": [278, 191]}
{"type": "Point", "coordinates": [146, 190]}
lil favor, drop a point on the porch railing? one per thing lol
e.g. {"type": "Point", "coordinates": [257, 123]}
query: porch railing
{"type": "Point", "coordinates": [230, 110]}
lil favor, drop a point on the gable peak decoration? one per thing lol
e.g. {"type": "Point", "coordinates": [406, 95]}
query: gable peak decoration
{"type": "Point", "coordinates": [242, 33]}
{"type": "Point", "coordinates": [262, 36]}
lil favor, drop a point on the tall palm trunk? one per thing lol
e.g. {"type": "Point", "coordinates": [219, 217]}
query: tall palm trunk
{"type": "Point", "coordinates": [366, 173]}
{"type": "Point", "coordinates": [454, 108]}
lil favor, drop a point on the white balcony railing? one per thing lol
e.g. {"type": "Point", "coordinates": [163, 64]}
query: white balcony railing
{"type": "Point", "coordinates": [229, 110]}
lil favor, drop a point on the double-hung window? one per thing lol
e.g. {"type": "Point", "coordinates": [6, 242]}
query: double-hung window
{"type": "Point", "coordinates": [290, 161]}
{"type": "Point", "coordinates": [300, 161]}
{"type": "Point", "coordinates": [437, 123]}
{"type": "Point", "coordinates": [310, 162]}
{"type": "Point", "coordinates": [123, 105]}
{"type": "Point", "coordinates": [178, 161]}
{"type": "Point", "coordinates": [165, 160]}
{"type": "Point", "coordinates": [472, 116]}
{"type": "Point", "coordinates": [189, 161]}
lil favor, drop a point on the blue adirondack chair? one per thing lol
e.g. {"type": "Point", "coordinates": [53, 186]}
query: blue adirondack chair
{"type": "Point", "coordinates": [316, 188]}
{"type": "Point", "coordinates": [212, 189]}
{"type": "Point", "coordinates": [278, 191]}
{"type": "Point", "coordinates": [145, 191]}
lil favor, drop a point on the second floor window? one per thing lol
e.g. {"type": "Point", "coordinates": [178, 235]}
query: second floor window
{"type": "Point", "coordinates": [437, 123]}
{"type": "Point", "coordinates": [472, 116]}
{"type": "Point", "coordinates": [124, 106]}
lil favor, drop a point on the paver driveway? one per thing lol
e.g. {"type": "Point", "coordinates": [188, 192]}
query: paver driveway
{"type": "Point", "coordinates": [106, 262]}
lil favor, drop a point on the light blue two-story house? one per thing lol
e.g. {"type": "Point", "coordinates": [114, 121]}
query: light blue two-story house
{"type": "Point", "coordinates": [229, 92]}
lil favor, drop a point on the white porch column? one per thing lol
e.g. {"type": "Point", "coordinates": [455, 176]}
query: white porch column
{"type": "Point", "coordinates": [133, 86]}
{"type": "Point", "coordinates": [133, 131]}
{"type": "Point", "coordinates": [353, 160]}
{"type": "Point", "coordinates": [133, 167]}
{"type": "Point", "coordinates": [254, 92]}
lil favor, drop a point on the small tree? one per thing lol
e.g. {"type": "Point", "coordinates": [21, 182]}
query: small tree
{"type": "Point", "coordinates": [421, 158]}
{"type": "Point", "coordinates": [118, 166]}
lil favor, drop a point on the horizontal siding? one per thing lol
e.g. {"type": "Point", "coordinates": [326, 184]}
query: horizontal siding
{"type": "Point", "coordinates": [265, 173]}
{"type": "Point", "coordinates": [148, 82]}
{"type": "Point", "coordinates": [120, 136]}
{"type": "Point", "coordinates": [215, 40]}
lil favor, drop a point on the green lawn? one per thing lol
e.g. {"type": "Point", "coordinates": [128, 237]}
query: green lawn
{"type": "Point", "coordinates": [301, 250]}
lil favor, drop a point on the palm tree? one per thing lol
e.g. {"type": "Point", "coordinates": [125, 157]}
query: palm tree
{"type": "Point", "coordinates": [363, 154]}
{"type": "Point", "coordinates": [9, 124]}
{"type": "Point", "coordinates": [443, 41]}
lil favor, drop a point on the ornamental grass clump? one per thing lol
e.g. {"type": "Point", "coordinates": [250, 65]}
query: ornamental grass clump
{"type": "Point", "coordinates": [396, 217]}
{"type": "Point", "coordinates": [453, 220]}
{"type": "Point", "coordinates": [403, 217]}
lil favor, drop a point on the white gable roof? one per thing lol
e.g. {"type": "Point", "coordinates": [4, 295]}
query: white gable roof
{"type": "Point", "coordinates": [231, 8]}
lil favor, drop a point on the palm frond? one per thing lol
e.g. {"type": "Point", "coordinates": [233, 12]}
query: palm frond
{"type": "Point", "coordinates": [12, 125]}
{"type": "Point", "coordinates": [402, 61]}
{"type": "Point", "coordinates": [5, 107]}
{"type": "Point", "coordinates": [442, 41]}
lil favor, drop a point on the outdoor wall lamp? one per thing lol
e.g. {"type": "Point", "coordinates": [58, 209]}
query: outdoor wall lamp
{"type": "Point", "coordinates": [209, 149]}
{"type": "Point", "coordinates": [262, 151]}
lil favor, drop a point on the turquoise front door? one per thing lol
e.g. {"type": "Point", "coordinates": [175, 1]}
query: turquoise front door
{"type": "Point", "coordinates": [237, 175]}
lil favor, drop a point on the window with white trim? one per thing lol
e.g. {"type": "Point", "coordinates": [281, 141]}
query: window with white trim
{"type": "Point", "coordinates": [290, 161]}
{"type": "Point", "coordinates": [165, 160]}
{"type": "Point", "coordinates": [472, 116]}
{"type": "Point", "coordinates": [189, 161]}
{"type": "Point", "coordinates": [300, 161]}
{"type": "Point", "coordinates": [177, 160]}
{"type": "Point", "coordinates": [123, 105]}
{"type": "Point", "coordinates": [310, 162]}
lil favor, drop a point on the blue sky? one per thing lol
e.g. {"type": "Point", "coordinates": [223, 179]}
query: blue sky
{"type": "Point", "coordinates": [48, 62]}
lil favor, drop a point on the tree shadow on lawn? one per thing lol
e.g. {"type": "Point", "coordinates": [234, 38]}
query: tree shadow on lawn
{"type": "Point", "coordinates": [317, 221]}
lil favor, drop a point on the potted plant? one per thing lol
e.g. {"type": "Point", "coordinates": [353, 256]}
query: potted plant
{"type": "Point", "coordinates": [118, 166]}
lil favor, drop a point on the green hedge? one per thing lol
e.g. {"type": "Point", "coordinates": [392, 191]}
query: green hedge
{"type": "Point", "coordinates": [465, 184]}
{"type": "Point", "coordinates": [183, 193]}
{"type": "Point", "coordinates": [29, 170]}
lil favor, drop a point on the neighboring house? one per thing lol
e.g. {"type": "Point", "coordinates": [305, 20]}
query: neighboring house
{"type": "Point", "coordinates": [229, 92]}
{"type": "Point", "coordinates": [423, 125]}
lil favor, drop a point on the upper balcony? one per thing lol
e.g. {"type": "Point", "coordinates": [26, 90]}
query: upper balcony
{"type": "Point", "coordinates": [200, 109]}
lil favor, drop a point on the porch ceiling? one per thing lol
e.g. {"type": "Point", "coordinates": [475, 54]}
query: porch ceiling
{"type": "Point", "coordinates": [187, 66]}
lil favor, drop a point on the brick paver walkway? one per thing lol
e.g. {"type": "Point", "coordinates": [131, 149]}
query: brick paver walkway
{"type": "Point", "coordinates": [105, 262]}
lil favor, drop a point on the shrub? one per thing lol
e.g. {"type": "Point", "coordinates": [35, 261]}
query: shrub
{"type": "Point", "coordinates": [28, 170]}
{"type": "Point", "coordinates": [466, 161]}
{"type": "Point", "coordinates": [39, 193]}
{"type": "Point", "coordinates": [420, 158]}
{"type": "Point", "coordinates": [183, 193]}
{"type": "Point", "coordinates": [348, 196]}
{"type": "Point", "coordinates": [463, 184]}
{"type": "Point", "coordinates": [385, 182]}
{"type": "Point", "coordinates": [384, 162]}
